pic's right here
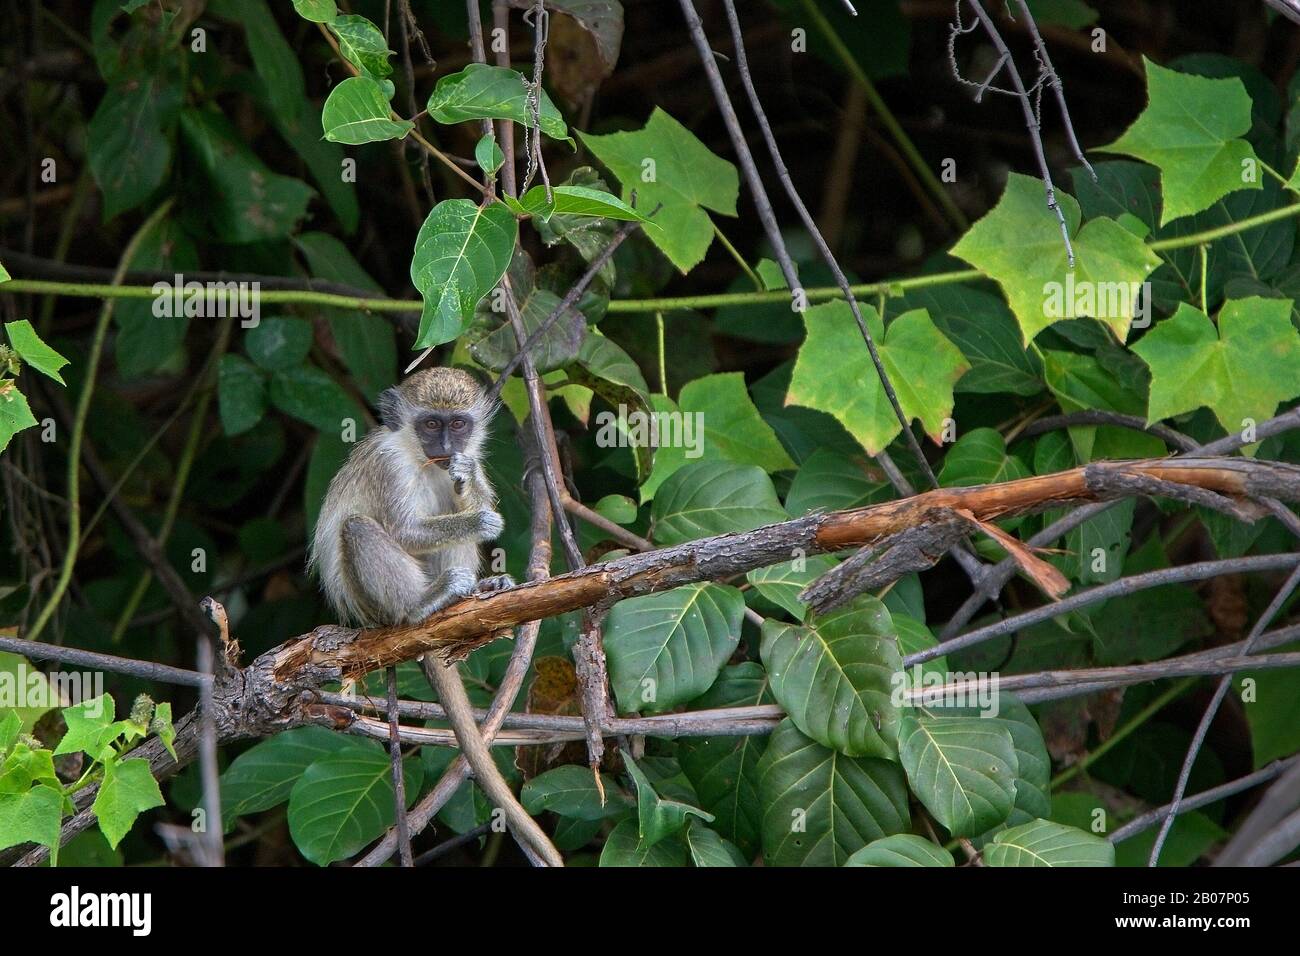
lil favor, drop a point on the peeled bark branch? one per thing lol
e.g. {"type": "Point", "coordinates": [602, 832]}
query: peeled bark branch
{"type": "Point", "coordinates": [459, 629]}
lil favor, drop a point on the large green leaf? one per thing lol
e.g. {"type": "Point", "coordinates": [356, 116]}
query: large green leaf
{"type": "Point", "coordinates": [732, 429]}
{"type": "Point", "coordinates": [782, 583]}
{"type": "Point", "coordinates": [834, 372]}
{"type": "Point", "coordinates": [481, 91]}
{"type": "Point", "coordinates": [830, 481]}
{"type": "Point", "coordinates": [667, 166]}
{"type": "Point", "coordinates": [665, 649]}
{"type": "Point", "coordinates": [819, 806]}
{"type": "Point", "coordinates": [309, 394]}
{"type": "Point", "coordinates": [709, 849]}
{"type": "Point", "coordinates": [571, 791]}
{"type": "Point", "coordinates": [962, 768]}
{"type": "Point", "coordinates": [1243, 369]}
{"type": "Point", "coordinates": [724, 770]}
{"type": "Point", "coordinates": [241, 394]}
{"type": "Point", "coordinates": [707, 498]}
{"type": "Point", "coordinates": [127, 790]}
{"type": "Point", "coordinates": [657, 818]}
{"type": "Point", "coordinates": [623, 847]}
{"type": "Point", "coordinates": [31, 816]}
{"type": "Point", "coordinates": [901, 849]}
{"type": "Point", "coordinates": [15, 415]}
{"type": "Point", "coordinates": [461, 253]}
{"type": "Point", "coordinates": [245, 202]}
{"type": "Point", "coordinates": [1044, 843]}
{"type": "Point", "coordinates": [357, 112]}
{"type": "Point", "coordinates": [362, 44]}
{"type": "Point", "coordinates": [836, 677]}
{"type": "Point", "coordinates": [344, 801]}
{"type": "Point", "coordinates": [263, 776]}
{"type": "Point", "coordinates": [1192, 129]}
{"type": "Point", "coordinates": [1019, 245]}
{"type": "Point", "coordinates": [129, 139]}
{"type": "Point", "coordinates": [983, 328]}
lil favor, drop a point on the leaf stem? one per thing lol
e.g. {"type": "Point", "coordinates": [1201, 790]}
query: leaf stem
{"type": "Point", "coordinates": [740, 260]}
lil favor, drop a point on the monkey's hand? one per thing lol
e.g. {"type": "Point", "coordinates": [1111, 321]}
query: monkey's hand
{"type": "Point", "coordinates": [496, 582]}
{"type": "Point", "coordinates": [490, 525]}
{"type": "Point", "coordinates": [461, 471]}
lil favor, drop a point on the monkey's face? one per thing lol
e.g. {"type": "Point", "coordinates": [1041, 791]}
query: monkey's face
{"type": "Point", "coordinates": [443, 434]}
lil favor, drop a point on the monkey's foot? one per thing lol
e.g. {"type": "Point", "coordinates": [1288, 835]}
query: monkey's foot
{"type": "Point", "coordinates": [497, 582]}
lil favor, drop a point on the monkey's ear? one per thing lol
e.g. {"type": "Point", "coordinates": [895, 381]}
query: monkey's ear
{"type": "Point", "coordinates": [389, 406]}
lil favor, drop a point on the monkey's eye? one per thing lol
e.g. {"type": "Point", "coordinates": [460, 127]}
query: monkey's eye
{"type": "Point", "coordinates": [432, 424]}
{"type": "Point", "coordinates": [458, 424]}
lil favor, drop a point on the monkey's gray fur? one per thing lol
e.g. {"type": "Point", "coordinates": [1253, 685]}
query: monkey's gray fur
{"type": "Point", "coordinates": [399, 530]}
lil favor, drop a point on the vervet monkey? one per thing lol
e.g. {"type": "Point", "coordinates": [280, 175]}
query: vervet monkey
{"type": "Point", "coordinates": [399, 530]}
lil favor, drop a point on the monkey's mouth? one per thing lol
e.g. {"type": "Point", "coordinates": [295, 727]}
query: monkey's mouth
{"type": "Point", "coordinates": [444, 463]}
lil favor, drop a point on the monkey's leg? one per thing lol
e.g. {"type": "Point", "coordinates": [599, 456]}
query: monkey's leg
{"type": "Point", "coordinates": [388, 582]}
{"type": "Point", "coordinates": [452, 585]}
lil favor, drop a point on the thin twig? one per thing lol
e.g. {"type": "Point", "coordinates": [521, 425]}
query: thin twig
{"type": "Point", "coordinates": [399, 778]}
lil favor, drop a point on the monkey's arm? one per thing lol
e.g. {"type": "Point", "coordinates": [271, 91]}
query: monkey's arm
{"type": "Point", "coordinates": [440, 531]}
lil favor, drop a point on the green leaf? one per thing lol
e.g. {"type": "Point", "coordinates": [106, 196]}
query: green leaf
{"type": "Point", "coordinates": [33, 350]}
{"type": "Point", "coordinates": [983, 328]}
{"type": "Point", "coordinates": [309, 394]}
{"type": "Point", "coordinates": [317, 11]}
{"type": "Point", "coordinates": [836, 677]}
{"type": "Point", "coordinates": [241, 394]}
{"type": "Point", "coordinates": [90, 727]}
{"type": "Point", "coordinates": [264, 775]}
{"type": "Point", "coordinates": [574, 201]}
{"type": "Point", "coordinates": [979, 458]}
{"type": "Point", "coordinates": [901, 849]}
{"type": "Point", "coordinates": [245, 201]}
{"type": "Point", "coordinates": [4, 273]}
{"type": "Point", "coordinates": [657, 818]}
{"type": "Point", "coordinates": [1019, 245]}
{"type": "Point", "coordinates": [15, 413]}
{"type": "Point", "coordinates": [1191, 129]}
{"type": "Point", "coordinates": [344, 801]}
{"type": "Point", "coordinates": [571, 791]}
{"type": "Point", "coordinates": [1044, 843]}
{"type": "Point", "coordinates": [962, 768]}
{"type": "Point", "coordinates": [32, 816]}
{"type": "Point", "coordinates": [277, 344]}
{"type": "Point", "coordinates": [363, 45]}
{"type": "Point", "coordinates": [488, 154]}
{"type": "Point", "coordinates": [129, 139]}
{"type": "Point", "coordinates": [724, 770]}
{"type": "Point", "coordinates": [707, 498]}
{"type": "Point", "coordinates": [709, 849]}
{"type": "Point", "coordinates": [24, 768]}
{"type": "Point", "coordinates": [781, 583]}
{"type": "Point", "coordinates": [461, 253]}
{"type": "Point", "coordinates": [623, 847]}
{"type": "Point", "coordinates": [830, 481]}
{"type": "Point", "coordinates": [481, 91]}
{"type": "Point", "coordinates": [665, 164]}
{"type": "Point", "coordinates": [819, 806]}
{"type": "Point", "coordinates": [665, 649]}
{"type": "Point", "coordinates": [491, 339]}
{"type": "Point", "coordinates": [277, 66]}
{"type": "Point", "coordinates": [1243, 369]}
{"type": "Point", "coordinates": [357, 112]}
{"type": "Point", "coordinates": [732, 430]}
{"type": "Point", "coordinates": [834, 372]}
{"type": "Point", "coordinates": [128, 789]}
{"type": "Point", "coordinates": [11, 725]}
